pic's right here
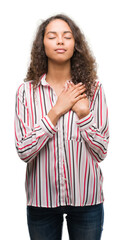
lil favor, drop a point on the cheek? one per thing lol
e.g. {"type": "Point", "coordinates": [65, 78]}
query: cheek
{"type": "Point", "coordinates": [48, 48]}
{"type": "Point", "coordinates": [71, 49]}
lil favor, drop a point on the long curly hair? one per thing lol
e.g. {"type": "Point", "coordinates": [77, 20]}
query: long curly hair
{"type": "Point", "coordinates": [83, 64]}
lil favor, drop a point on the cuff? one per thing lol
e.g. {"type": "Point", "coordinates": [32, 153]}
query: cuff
{"type": "Point", "coordinates": [48, 126]}
{"type": "Point", "coordinates": [85, 122]}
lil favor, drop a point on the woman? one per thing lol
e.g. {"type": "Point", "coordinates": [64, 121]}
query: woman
{"type": "Point", "coordinates": [61, 132]}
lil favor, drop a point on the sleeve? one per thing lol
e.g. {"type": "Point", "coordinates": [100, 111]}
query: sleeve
{"type": "Point", "coordinates": [29, 141]}
{"type": "Point", "coordinates": [95, 126]}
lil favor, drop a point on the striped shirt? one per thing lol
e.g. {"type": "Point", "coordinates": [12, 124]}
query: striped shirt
{"type": "Point", "coordinates": [63, 160]}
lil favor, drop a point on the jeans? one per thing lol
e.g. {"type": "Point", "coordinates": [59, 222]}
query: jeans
{"type": "Point", "coordinates": [83, 223]}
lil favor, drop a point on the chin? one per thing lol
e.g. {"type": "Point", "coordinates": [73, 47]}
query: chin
{"type": "Point", "coordinates": [61, 59]}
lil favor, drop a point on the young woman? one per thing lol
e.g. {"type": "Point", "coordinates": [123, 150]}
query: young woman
{"type": "Point", "coordinates": [61, 132]}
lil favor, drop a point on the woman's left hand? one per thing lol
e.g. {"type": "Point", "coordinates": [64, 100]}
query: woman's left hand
{"type": "Point", "coordinates": [81, 107]}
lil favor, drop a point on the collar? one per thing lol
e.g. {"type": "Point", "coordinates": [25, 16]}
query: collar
{"type": "Point", "coordinates": [43, 80]}
{"type": "Point", "coordinates": [45, 83]}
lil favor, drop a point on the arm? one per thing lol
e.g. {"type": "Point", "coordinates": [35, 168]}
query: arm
{"type": "Point", "coordinates": [95, 126]}
{"type": "Point", "coordinates": [29, 141]}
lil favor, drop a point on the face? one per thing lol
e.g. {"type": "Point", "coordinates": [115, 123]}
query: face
{"type": "Point", "coordinates": [58, 41]}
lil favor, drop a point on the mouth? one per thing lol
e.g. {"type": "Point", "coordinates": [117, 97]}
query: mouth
{"type": "Point", "coordinates": [60, 50]}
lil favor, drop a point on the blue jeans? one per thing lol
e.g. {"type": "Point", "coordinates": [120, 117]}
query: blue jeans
{"type": "Point", "coordinates": [83, 223]}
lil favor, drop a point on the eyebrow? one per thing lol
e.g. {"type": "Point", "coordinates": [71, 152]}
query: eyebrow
{"type": "Point", "coordinates": [56, 32]}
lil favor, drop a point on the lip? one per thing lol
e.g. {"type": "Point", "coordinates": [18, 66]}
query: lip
{"type": "Point", "coordinates": [60, 50]}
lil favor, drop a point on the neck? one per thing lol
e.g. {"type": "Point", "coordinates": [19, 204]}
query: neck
{"type": "Point", "coordinates": [58, 73]}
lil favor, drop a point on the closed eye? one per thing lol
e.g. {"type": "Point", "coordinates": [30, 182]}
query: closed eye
{"type": "Point", "coordinates": [65, 37]}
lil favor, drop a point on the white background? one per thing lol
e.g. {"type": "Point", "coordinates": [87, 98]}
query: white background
{"type": "Point", "coordinates": [102, 24]}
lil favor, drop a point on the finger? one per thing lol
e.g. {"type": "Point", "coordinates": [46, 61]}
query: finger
{"type": "Point", "coordinates": [82, 88]}
{"type": "Point", "coordinates": [76, 87]}
{"type": "Point", "coordinates": [80, 84]}
{"type": "Point", "coordinates": [70, 84]}
{"type": "Point", "coordinates": [77, 92]}
{"type": "Point", "coordinates": [79, 97]}
{"type": "Point", "coordinates": [84, 95]}
{"type": "Point", "coordinates": [64, 89]}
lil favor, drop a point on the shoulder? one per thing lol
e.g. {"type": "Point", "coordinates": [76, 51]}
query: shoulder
{"type": "Point", "coordinates": [23, 87]}
{"type": "Point", "coordinates": [98, 88]}
{"type": "Point", "coordinates": [98, 92]}
{"type": "Point", "coordinates": [98, 85]}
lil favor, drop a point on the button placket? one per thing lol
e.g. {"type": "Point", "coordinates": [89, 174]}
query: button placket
{"type": "Point", "coordinates": [62, 178]}
{"type": "Point", "coordinates": [65, 179]}
{"type": "Point", "coordinates": [54, 97]}
{"type": "Point", "coordinates": [64, 171]}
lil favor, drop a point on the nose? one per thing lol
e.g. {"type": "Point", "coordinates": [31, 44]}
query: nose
{"type": "Point", "coordinates": [59, 40]}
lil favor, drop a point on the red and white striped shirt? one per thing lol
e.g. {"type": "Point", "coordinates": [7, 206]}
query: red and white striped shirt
{"type": "Point", "coordinates": [62, 160]}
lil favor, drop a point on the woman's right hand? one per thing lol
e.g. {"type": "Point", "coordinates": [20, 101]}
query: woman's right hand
{"type": "Point", "coordinates": [68, 97]}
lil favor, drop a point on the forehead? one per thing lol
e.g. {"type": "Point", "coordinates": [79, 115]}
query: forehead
{"type": "Point", "coordinates": [57, 25]}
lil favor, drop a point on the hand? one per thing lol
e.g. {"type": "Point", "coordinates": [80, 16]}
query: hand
{"type": "Point", "coordinates": [81, 107]}
{"type": "Point", "coordinates": [68, 97]}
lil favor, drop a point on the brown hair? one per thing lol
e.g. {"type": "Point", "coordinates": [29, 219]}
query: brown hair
{"type": "Point", "coordinates": [83, 64]}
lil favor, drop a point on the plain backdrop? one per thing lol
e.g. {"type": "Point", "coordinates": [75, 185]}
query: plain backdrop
{"type": "Point", "coordinates": [102, 24]}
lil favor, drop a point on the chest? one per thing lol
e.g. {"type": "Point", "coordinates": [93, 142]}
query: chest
{"type": "Point", "coordinates": [57, 90]}
{"type": "Point", "coordinates": [40, 104]}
